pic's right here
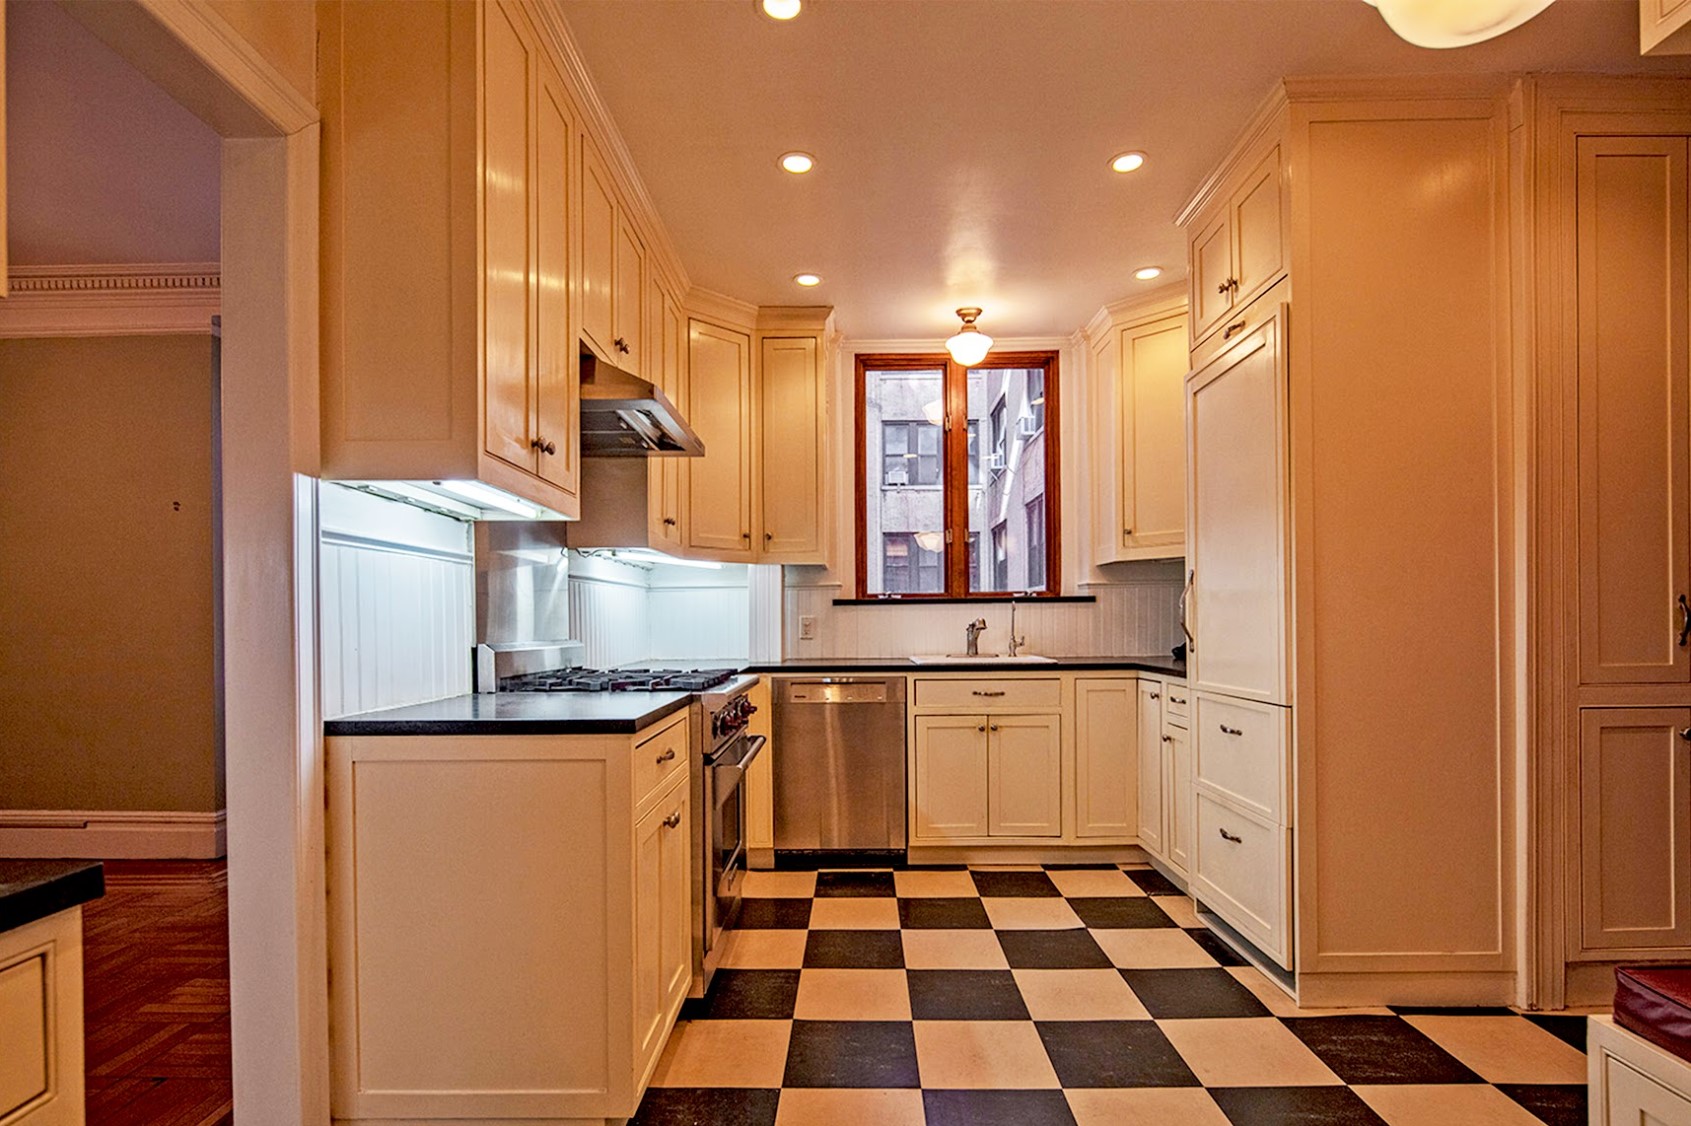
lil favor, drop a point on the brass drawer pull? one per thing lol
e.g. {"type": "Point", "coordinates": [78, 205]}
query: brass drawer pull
{"type": "Point", "coordinates": [672, 820]}
{"type": "Point", "coordinates": [667, 756]}
{"type": "Point", "coordinates": [1156, 695]}
{"type": "Point", "coordinates": [978, 692]}
{"type": "Point", "coordinates": [1226, 836]}
{"type": "Point", "coordinates": [1236, 326]}
{"type": "Point", "coordinates": [1226, 730]}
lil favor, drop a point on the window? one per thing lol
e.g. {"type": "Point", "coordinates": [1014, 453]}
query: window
{"type": "Point", "coordinates": [957, 476]}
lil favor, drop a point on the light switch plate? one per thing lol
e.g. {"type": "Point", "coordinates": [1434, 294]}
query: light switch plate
{"type": "Point", "coordinates": [807, 627]}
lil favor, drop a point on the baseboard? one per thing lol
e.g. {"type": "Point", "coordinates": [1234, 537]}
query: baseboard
{"type": "Point", "coordinates": [112, 834]}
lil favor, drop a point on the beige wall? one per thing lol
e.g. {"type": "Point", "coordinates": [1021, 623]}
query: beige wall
{"type": "Point", "coordinates": [283, 31]}
{"type": "Point", "coordinates": [107, 687]}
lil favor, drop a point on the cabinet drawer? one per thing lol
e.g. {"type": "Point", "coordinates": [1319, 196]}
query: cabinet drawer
{"type": "Point", "coordinates": [1241, 751]}
{"type": "Point", "coordinates": [659, 758]}
{"type": "Point", "coordinates": [1242, 868]}
{"type": "Point", "coordinates": [1177, 704]}
{"type": "Point", "coordinates": [987, 695]}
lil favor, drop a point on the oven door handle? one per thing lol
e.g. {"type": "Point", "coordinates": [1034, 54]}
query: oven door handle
{"type": "Point", "coordinates": [727, 775]}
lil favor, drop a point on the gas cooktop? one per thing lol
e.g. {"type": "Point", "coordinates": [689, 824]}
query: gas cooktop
{"type": "Point", "coordinates": [619, 680]}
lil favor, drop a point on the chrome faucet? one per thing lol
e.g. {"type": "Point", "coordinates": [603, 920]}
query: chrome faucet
{"type": "Point", "coordinates": [972, 633]}
{"type": "Point", "coordinates": [1015, 642]}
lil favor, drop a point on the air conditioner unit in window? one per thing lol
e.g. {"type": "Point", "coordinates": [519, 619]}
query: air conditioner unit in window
{"type": "Point", "coordinates": [995, 462]}
{"type": "Point", "coordinates": [898, 476]}
{"type": "Point", "coordinates": [1028, 426]}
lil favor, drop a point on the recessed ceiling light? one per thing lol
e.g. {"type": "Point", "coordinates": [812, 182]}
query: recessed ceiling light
{"type": "Point", "coordinates": [798, 163]}
{"type": "Point", "coordinates": [781, 9]}
{"type": "Point", "coordinates": [808, 279]}
{"type": "Point", "coordinates": [1127, 161]}
{"type": "Point", "coordinates": [1146, 273]}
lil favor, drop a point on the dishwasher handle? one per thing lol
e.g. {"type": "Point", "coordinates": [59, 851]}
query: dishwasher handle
{"type": "Point", "coordinates": [840, 690]}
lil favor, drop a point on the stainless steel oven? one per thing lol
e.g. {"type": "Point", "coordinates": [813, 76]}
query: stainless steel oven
{"type": "Point", "coordinates": [725, 752]}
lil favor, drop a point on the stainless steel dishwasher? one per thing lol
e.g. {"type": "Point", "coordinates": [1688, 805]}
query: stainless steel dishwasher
{"type": "Point", "coordinates": [839, 763]}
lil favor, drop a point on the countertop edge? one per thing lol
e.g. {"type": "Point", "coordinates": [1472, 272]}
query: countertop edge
{"type": "Point", "coordinates": [79, 883]}
{"type": "Point", "coordinates": [373, 724]}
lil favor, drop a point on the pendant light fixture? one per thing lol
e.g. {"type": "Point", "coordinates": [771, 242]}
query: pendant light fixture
{"type": "Point", "coordinates": [1455, 23]}
{"type": "Point", "coordinates": [970, 346]}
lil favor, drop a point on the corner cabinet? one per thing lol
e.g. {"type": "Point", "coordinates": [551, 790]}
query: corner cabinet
{"type": "Point", "coordinates": [510, 922]}
{"type": "Point", "coordinates": [449, 341]}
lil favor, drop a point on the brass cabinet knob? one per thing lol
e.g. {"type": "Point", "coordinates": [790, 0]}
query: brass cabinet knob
{"type": "Point", "coordinates": [667, 756]}
{"type": "Point", "coordinates": [669, 521]}
{"type": "Point", "coordinates": [672, 820]}
{"type": "Point", "coordinates": [543, 446]}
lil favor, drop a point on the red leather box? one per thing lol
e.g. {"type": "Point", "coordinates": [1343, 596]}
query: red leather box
{"type": "Point", "coordinates": [1655, 1002]}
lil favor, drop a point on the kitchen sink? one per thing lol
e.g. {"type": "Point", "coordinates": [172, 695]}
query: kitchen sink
{"type": "Point", "coordinates": [979, 659]}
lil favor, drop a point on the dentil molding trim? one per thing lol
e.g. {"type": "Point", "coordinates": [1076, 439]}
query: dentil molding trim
{"type": "Point", "coordinates": [148, 299]}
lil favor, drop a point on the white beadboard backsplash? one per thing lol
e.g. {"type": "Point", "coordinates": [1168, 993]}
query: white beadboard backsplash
{"type": "Point", "coordinates": [625, 614]}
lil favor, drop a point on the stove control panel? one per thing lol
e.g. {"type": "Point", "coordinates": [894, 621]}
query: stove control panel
{"type": "Point", "coordinates": [732, 717]}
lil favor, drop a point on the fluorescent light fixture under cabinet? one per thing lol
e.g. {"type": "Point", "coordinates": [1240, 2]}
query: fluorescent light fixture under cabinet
{"type": "Point", "coordinates": [658, 558]}
{"type": "Point", "coordinates": [489, 497]}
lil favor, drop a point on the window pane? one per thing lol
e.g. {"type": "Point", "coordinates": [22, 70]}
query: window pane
{"type": "Point", "coordinates": [1007, 478]}
{"type": "Point", "coordinates": [904, 496]}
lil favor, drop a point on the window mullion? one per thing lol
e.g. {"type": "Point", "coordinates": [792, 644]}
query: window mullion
{"type": "Point", "coordinates": [957, 480]}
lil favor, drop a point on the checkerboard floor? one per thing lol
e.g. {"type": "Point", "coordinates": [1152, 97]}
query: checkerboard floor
{"type": "Point", "coordinates": [1073, 994]}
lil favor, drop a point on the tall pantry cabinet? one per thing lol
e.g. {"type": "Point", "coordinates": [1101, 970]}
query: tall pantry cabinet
{"type": "Point", "coordinates": [1601, 174]}
{"type": "Point", "coordinates": [1350, 591]}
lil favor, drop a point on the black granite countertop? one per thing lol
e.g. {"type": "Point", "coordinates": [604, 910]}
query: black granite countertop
{"type": "Point", "coordinates": [34, 889]}
{"type": "Point", "coordinates": [518, 713]}
{"type": "Point", "coordinates": [1162, 664]}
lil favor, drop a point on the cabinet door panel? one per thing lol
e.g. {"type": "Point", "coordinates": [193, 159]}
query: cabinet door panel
{"type": "Point", "coordinates": [1106, 757]}
{"type": "Point", "coordinates": [649, 846]}
{"type": "Point", "coordinates": [1153, 433]}
{"type": "Point", "coordinates": [790, 411]}
{"type": "Point", "coordinates": [508, 184]}
{"type": "Point", "coordinates": [1025, 772]}
{"type": "Point", "coordinates": [1634, 421]}
{"type": "Point", "coordinates": [1212, 268]}
{"type": "Point", "coordinates": [1150, 764]}
{"type": "Point", "coordinates": [1236, 441]}
{"type": "Point", "coordinates": [1258, 258]}
{"type": "Point", "coordinates": [557, 382]}
{"type": "Point", "coordinates": [1177, 764]}
{"type": "Point", "coordinates": [628, 300]}
{"type": "Point", "coordinates": [664, 473]}
{"type": "Point", "coordinates": [719, 505]}
{"type": "Point", "coordinates": [951, 773]}
{"type": "Point", "coordinates": [1635, 828]}
{"type": "Point", "coordinates": [598, 250]}
{"type": "Point", "coordinates": [675, 945]}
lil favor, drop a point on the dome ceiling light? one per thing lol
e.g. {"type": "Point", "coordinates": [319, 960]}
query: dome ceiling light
{"type": "Point", "coordinates": [781, 9]}
{"type": "Point", "coordinates": [1442, 24]}
{"type": "Point", "coordinates": [970, 346]}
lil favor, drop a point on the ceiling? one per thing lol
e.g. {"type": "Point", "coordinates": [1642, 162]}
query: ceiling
{"type": "Point", "coordinates": [102, 166]}
{"type": "Point", "coordinates": [962, 145]}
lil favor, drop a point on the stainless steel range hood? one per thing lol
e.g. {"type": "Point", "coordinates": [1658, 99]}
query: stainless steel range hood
{"type": "Point", "coordinates": [623, 415]}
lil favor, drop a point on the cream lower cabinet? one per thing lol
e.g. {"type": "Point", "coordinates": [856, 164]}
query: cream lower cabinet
{"type": "Point", "coordinates": [1107, 745]}
{"type": "Point", "coordinates": [510, 922]}
{"type": "Point", "coordinates": [1165, 772]}
{"type": "Point", "coordinates": [1150, 730]}
{"type": "Point", "coordinates": [988, 776]}
{"type": "Point", "coordinates": [41, 1052]}
{"type": "Point", "coordinates": [950, 777]}
{"type": "Point", "coordinates": [1177, 765]}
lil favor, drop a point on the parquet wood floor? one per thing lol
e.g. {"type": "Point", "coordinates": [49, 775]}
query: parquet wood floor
{"type": "Point", "coordinates": [156, 995]}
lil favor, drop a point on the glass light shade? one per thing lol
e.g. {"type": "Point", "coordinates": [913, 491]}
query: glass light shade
{"type": "Point", "coordinates": [970, 346]}
{"type": "Point", "coordinates": [1442, 24]}
{"type": "Point", "coordinates": [781, 9]}
{"type": "Point", "coordinates": [930, 541]}
{"type": "Point", "coordinates": [934, 412]}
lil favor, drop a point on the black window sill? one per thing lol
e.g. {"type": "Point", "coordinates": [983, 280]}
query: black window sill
{"type": "Point", "coordinates": [935, 600]}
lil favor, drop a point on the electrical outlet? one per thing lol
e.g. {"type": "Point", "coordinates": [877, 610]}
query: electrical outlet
{"type": "Point", "coordinates": [807, 627]}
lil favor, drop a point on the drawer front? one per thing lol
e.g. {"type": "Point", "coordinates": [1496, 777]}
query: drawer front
{"type": "Point", "coordinates": [1241, 751]}
{"type": "Point", "coordinates": [1242, 874]}
{"type": "Point", "coordinates": [1177, 702]}
{"type": "Point", "coordinates": [659, 758]}
{"type": "Point", "coordinates": [982, 694]}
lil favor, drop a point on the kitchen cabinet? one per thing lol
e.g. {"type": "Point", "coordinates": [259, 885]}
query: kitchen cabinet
{"type": "Point", "coordinates": [1237, 248]}
{"type": "Point", "coordinates": [613, 270]}
{"type": "Point", "coordinates": [1634, 829]}
{"type": "Point", "coordinates": [668, 336]}
{"type": "Point", "coordinates": [949, 777]}
{"type": "Point", "coordinates": [422, 379]}
{"type": "Point", "coordinates": [719, 484]}
{"type": "Point", "coordinates": [1150, 729]}
{"type": "Point", "coordinates": [1164, 788]}
{"type": "Point", "coordinates": [41, 1068]}
{"type": "Point", "coordinates": [1106, 756]}
{"type": "Point", "coordinates": [1664, 27]}
{"type": "Point", "coordinates": [1025, 776]}
{"type": "Point", "coordinates": [510, 930]}
{"type": "Point", "coordinates": [1634, 400]}
{"type": "Point", "coordinates": [791, 429]}
{"type": "Point", "coordinates": [1139, 365]}
{"type": "Point", "coordinates": [1177, 767]}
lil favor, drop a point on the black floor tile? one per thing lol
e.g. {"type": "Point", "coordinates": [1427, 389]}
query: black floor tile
{"type": "Point", "coordinates": [965, 995]}
{"type": "Point", "coordinates": [1113, 1053]}
{"type": "Point", "coordinates": [853, 950]}
{"type": "Point", "coordinates": [946, 914]}
{"type": "Point", "coordinates": [867, 883]}
{"type": "Point", "coordinates": [773, 914]}
{"type": "Point", "coordinates": [814, 860]}
{"type": "Point", "coordinates": [1556, 1103]}
{"type": "Point", "coordinates": [1294, 1106]}
{"type": "Point", "coordinates": [1000, 885]}
{"type": "Point", "coordinates": [1121, 912]}
{"type": "Point", "coordinates": [1052, 950]}
{"type": "Point", "coordinates": [706, 1106]}
{"type": "Point", "coordinates": [1153, 882]}
{"type": "Point", "coordinates": [852, 1053]}
{"type": "Point", "coordinates": [751, 995]}
{"type": "Point", "coordinates": [1568, 1029]}
{"type": "Point", "coordinates": [1216, 947]}
{"type": "Point", "coordinates": [1191, 994]}
{"type": "Point", "coordinates": [1377, 1049]}
{"type": "Point", "coordinates": [996, 1108]}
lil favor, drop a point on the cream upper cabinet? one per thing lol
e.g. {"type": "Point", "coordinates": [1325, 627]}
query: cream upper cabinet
{"type": "Point", "coordinates": [1025, 777]}
{"type": "Point", "coordinates": [1238, 489]}
{"type": "Point", "coordinates": [447, 337]}
{"type": "Point", "coordinates": [668, 336]}
{"type": "Point", "coordinates": [1150, 764]}
{"type": "Point", "coordinates": [628, 299]}
{"type": "Point", "coordinates": [1634, 829]}
{"type": "Point", "coordinates": [1634, 396]}
{"type": "Point", "coordinates": [1152, 427]}
{"type": "Point", "coordinates": [791, 447]}
{"type": "Point", "coordinates": [949, 777]}
{"type": "Point", "coordinates": [1238, 251]}
{"type": "Point", "coordinates": [613, 269]}
{"type": "Point", "coordinates": [1106, 757]}
{"type": "Point", "coordinates": [719, 485]}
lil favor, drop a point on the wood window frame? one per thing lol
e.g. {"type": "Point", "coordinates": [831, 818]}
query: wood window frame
{"type": "Point", "coordinates": [955, 459]}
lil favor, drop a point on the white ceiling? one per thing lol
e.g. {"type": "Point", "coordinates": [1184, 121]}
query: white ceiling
{"type": "Point", "coordinates": [962, 144]}
{"type": "Point", "coordinates": [102, 166]}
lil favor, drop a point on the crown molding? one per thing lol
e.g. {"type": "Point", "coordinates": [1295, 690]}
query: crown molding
{"type": "Point", "coordinates": [721, 309]}
{"type": "Point", "coordinates": [147, 299]}
{"type": "Point", "coordinates": [795, 318]}
{"type": "Point", "coordinates": [1268, 118]}
{"type": "Point", "coordinates": [1165, 301]}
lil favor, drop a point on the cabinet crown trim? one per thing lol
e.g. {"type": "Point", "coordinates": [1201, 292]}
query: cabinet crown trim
{"type": "Point", "coordinates": [1263, 123]}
